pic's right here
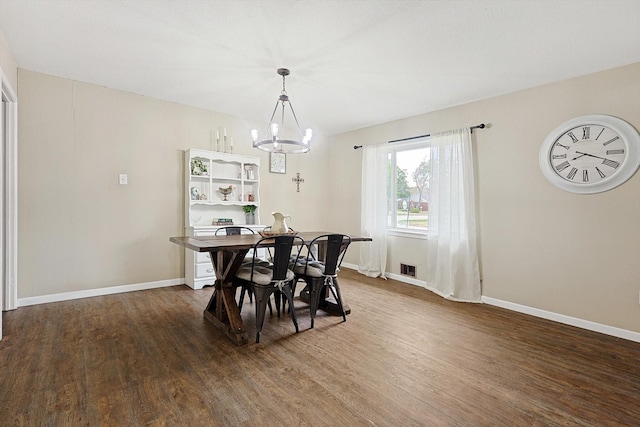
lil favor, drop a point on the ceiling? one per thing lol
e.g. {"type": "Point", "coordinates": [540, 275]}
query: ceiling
{"type": "Point", "coordinates": [354, 63]}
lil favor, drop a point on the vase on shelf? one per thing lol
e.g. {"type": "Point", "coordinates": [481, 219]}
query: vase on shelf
{"type": "Point", "coordinates": [250, 218]}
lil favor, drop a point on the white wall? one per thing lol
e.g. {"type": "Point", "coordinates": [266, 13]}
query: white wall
{"type": "Point", "coordinates": [79, 229]}
{"type": "Point", "coordinates": [8, 62]}
{"type": "Point", "coordinates": [541, 247]}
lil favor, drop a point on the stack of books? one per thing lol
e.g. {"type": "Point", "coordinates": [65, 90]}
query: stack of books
{"type": "Point", "coordinates": [222, 221]}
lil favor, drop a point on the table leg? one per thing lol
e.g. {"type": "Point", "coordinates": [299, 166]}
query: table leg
{"type": "Point", "coordinates": [222, 310]}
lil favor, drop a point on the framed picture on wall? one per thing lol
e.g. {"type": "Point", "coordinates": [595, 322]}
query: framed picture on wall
{"type": "Point", "coordinates": [277, 162]}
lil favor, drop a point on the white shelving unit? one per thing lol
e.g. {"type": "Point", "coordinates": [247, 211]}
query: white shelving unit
{"type": "Point", "coordinates": [206, 172]}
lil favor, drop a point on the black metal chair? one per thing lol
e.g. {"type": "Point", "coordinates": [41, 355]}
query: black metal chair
{"type": "Point", "coordinates": [234, 230]}
{"type": "Point", "coordinates": [291, 263]}
{"type": "Point", "coordinates": [319, 269]}
{"type": "Point", "coordinates": [265, 281]}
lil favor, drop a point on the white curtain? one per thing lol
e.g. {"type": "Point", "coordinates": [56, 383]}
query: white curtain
{"type": "Point", "coordinates": [374, 210]}
{"type": "Point", "coordinates": [452, 256]}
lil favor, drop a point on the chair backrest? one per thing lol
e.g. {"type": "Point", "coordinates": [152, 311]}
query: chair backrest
{"type": "Point", "coordinates": [234, 230]}
{"type": "Point", "coordinates": [282, 247]}
{"type": "Point", "coordinates": [335, 250]}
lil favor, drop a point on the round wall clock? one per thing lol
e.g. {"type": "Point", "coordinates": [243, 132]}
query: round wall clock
{"type": "Point", "coordinates": [590, 154]}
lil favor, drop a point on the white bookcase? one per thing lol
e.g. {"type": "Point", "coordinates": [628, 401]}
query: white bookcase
{"type": "Point", "coordinates": [206, 172]}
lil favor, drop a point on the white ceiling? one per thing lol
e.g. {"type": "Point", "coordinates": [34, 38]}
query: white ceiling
{"type": "Point", "coordinates": [354, 63]}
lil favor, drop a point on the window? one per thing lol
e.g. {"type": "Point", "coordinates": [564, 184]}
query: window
{"type": "Point", "coordinates": [408, 187]}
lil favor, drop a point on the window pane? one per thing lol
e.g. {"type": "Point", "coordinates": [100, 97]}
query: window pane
{"type": "Point", "coordinates": [412, 192]}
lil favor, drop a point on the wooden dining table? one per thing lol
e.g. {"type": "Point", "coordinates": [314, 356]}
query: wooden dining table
{"type": "Point", "coordinates": [227, 254]}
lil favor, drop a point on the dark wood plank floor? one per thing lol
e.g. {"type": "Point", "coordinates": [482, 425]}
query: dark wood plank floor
{"type": "Point", "coordinates": [405, 357]}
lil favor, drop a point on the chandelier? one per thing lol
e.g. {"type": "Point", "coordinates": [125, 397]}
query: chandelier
{"type": "Point", "coordinates": [278, 138]}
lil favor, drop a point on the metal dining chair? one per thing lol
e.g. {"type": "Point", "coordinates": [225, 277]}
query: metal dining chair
{"type": "Point", "coordinates": [319, 269]}
{"type": "Point", "coordinates": [265, 281]}
{"type": "Point", "coordinates": [234, 230]}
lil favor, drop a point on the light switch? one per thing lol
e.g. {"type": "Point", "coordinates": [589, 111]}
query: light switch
{"type": "Point", "coordinates": [123, 179]}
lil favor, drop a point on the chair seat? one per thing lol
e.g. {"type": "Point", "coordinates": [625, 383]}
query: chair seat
{"type": "Point", "coordinates": [313, 269]}
{"type": "Point", "coordinates": [248, 260]}
{"type": "Point", "coordinates": [262, 275]}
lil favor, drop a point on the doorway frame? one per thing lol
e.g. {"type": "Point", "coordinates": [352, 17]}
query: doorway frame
{"type": "Point", "coordinates": [9, 248]}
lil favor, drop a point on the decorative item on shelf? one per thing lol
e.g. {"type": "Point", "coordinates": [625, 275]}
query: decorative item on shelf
{"type": "Point", "coordinates": [250, 197]}
{"type": "Point", "coordinates": [248, 169]}
{"type": "Point", "coordinates": [203, 197]}
{"type": "Point", "coordinates": [218, 140]}
{"type": "Point", "coordinates": [276, 138]}
{"type": "Point", "coordinates": [222, 221]}
{"type": "Point", "coordinates": [195, 193]}
{"type": "Point", "coordinates": [225, 192]}
{"type": "Point", "coordinates": [249, 213]}
{"type": "Point", "coordinates": [198, 168]}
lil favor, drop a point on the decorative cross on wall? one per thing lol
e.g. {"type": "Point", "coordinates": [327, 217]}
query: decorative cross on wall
{"type": "Point", "coordinates": [298, 181]}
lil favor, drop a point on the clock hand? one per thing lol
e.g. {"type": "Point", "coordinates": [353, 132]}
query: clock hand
{"type": "Point", "coordinates": [590, 155]}
{"type": "Point", "coordinates": [581, 155]}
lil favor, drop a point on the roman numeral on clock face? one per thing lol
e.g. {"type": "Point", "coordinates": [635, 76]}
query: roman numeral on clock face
{"type": "Point", "coordinates": [572, 173]}
{"type": "Point", "coordinates": [562, 166]}
{"type": "Point", "coordinates": [602, 175]}
{"type": "Point", "coordinates": [560, 156]}
{"type": "Point", "coordinates": [620, 151]}
{"type": "Point", "coordinates": [572, 136]}
{"type": "Point", "coordinates": [611, 140]}
{"type": "Point", "coordinates": [585, 132]}
{"type": "Point", "coordinates": [585, 176]}
{"type": "Point", "coordinates": [611, 163]}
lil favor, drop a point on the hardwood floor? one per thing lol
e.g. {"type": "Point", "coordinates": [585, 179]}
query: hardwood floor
{"type": "Point", "coordinates": [405, 357]}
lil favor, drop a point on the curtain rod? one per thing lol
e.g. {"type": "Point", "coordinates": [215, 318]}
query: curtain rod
{"type": "Point", "coordinates": [480, 126]}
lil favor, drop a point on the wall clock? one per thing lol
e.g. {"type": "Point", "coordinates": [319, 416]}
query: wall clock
{"type": "Point", "coordinates": [590, 154]}
{"type": "Point", "coordinates": [277, 162]}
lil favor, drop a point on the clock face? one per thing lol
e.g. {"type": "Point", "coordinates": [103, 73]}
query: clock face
{"type": "Point", "coordinates": [590, 154]}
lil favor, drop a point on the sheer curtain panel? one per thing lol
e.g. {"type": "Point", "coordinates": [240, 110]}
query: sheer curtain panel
{"type": "Point", "coordinates": [452, 255]}
{"type": "Point", "coordinates": [374, 210]}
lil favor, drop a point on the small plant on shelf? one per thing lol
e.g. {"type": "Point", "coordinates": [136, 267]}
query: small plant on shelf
{"type": "Point", "coordinates": [249, 208]}
{"type": "Point", "coordinates": [249, 213]}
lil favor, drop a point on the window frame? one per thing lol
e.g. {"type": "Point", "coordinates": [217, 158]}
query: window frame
{"type": "Point", "coordinates": [392, 228]}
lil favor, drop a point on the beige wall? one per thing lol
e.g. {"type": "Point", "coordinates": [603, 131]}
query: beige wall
{"type": "Point", "coordinates": [540, 247]}
{"type": "Point", "coordinates": [78, 228]}
{"type": "Point", "coordinates": [8, 62]}
{"type": "Point", "coordinates": [576, 255]}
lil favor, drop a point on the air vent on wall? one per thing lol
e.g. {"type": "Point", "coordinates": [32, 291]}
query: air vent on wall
{"type": "Point", "coordinates": [408, 270]}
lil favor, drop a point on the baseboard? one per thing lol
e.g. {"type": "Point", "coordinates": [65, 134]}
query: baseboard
{"type": "Point", "coordinates": [65, 296]}
{"type": "Point", "coordinates": [567, 320]}
{"type": "Point", "coordinates": [560, 318]}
